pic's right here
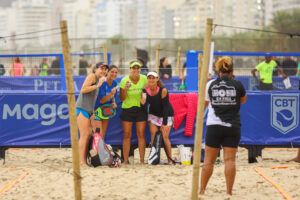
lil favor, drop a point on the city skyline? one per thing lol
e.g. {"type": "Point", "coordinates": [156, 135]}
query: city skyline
{"type": "Point", "coordinates": [137, 18]}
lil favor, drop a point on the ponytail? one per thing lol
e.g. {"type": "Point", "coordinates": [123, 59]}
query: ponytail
{"type": "Point", "coordinates": [224, 65]}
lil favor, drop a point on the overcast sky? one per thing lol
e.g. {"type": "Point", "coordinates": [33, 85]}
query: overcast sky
{"type": "Point", "coordinates": [5, 3]}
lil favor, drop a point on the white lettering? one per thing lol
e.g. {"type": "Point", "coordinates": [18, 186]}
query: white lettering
{"type": "Point", "coordinates": [60, 111]}
{"type": "Point", "coordinates": [37, 83]}
{"type": "Point", "coordinates": [34, 115]}
{"type": "Point", "coordinates": [15, 111]}
{"type": "Point", "coordinates": [51, 115]}
{"type": "Point", "coordinates": [47, 112]}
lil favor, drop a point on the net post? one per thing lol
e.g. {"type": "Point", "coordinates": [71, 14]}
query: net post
{"type": "Point", "coordinates": [202, 78]}
{"type": "Point", "coordinates": [157, 59]}
{"type": "Point", "coordinates": [72, 114]}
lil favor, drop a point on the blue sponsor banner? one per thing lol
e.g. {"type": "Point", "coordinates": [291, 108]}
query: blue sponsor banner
{"type": "Point", "coordinates": [53, 83]}
{"type": "Point", "coordinates": [268, 118]}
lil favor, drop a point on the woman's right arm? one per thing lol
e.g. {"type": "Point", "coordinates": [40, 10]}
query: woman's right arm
{"type": "Point", "coordinates": [89, 82]}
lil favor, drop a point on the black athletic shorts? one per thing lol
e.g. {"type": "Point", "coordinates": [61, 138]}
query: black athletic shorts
{"type": "Point", "coordinates": [217, 136]}
{"type": "Point", "coordinates": [265, 86]}
{"type": "Point", "coordinates": [134, 114]}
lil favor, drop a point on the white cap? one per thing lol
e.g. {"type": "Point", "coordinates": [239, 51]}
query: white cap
{"type": "Point", "coordinates": [152, 74]}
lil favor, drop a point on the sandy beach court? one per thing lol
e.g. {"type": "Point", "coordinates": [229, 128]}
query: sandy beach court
{"type": "Point", "coordinates": [47, 174]}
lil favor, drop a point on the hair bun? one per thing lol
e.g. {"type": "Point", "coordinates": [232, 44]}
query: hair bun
{"type": "Point", "coordinates": [224, 64]}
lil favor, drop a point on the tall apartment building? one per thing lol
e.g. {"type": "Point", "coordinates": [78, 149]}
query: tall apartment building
{"type": "Point", "coordinates": [190, 18]}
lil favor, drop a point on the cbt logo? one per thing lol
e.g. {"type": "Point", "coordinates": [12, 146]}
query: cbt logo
{"type": "Point", "coordinates": [284, 112]}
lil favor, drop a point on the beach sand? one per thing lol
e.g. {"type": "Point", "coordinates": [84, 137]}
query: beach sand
{"type": "Point", "coordinates": [47, 174]}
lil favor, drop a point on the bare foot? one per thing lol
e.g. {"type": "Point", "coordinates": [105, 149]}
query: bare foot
{"type": "Point", "coordinates": [294, 159]}
{"type": "Point", "coordinates": [84, 165]}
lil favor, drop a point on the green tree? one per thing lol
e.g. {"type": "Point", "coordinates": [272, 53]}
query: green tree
{"type": "Point", "coordinates": [287, 22]}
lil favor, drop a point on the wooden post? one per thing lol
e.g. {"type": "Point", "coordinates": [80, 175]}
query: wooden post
{"type": "Point", "coordinates": [178, 64]}
{"type": "Point", "coordinates": [202, 78]}
{"type": "Point", "coordinates": [13, 66]}
{"type": "Point", "coordinates": [72, 113]}
{"type": "Point", "coordinates": [157, 59]}
{"type": "Point", "coordinates": [135, 52]}
{"type": "Point", "coordinates": [105, 53]}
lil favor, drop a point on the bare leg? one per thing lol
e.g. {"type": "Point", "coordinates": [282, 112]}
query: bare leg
{"type": "Point", "coordinates": [229, 159]}
{"type": "Point", "coordinates": [297, 158]}
{"type": "Point", "coordinates": [84, 127]}
{"type": "Point", "coordinates": [127, 126]}
{"type": "Point", "coordinates": [97, 124]}
{"type": "Point", "coordinates": [140, 129]}
{"type": "Point", "coordinates": [104, 127]}
{"type": "Point", "coordinates": [153, 129]}
{"type": "Point", "coordinates": [207, 170]}
{"type": "Point", "coordinates": [167, 143]}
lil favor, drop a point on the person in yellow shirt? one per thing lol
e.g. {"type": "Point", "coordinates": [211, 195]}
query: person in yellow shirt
{"type": "Point", "coordinates": [131, 87]}
{"type": "Point", "coordinates": [265, 70]}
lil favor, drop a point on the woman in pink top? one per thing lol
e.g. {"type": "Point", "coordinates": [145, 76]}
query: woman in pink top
{"type": "Point", "coordinates": [17, 69]}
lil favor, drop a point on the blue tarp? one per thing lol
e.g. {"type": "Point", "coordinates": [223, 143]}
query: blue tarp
{"type": "Point", "coordinates": [268, 118]}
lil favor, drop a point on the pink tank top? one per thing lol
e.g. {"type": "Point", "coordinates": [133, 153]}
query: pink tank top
{"type": "Point", "coordinates": [149, 91]}
{"type": "Point", "coordinates": [18, 69]}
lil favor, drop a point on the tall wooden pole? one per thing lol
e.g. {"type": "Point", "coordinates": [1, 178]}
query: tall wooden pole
{"type": "Point", "coordinates": [72, 113]}
{"type": "Point", "coordinates": [105, 53]}
{"type": "Point", "coordinates": [202, 79]}
{"type": "Point", "coordinates": [135, 52]}
{"type": "Point", "coordinates": [157, 59]}
{"type": "Point", "coordinates": [178, 64]}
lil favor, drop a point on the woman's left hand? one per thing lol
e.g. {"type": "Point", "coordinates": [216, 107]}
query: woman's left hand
{"type": "Point", "coordinates": [115, 105]}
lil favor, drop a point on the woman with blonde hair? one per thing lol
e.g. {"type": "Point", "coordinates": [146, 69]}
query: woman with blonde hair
{"type": "Point", "coordinates": [85, 106]}
{"type": "Point", "coordinates": [223, 98]}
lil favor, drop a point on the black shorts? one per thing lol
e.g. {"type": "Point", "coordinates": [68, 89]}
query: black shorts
{"type": "Point", "coordinates": [217, 136]}
{"type": "Point", "coordinates": [265, 86]}
{"type": "Point", "coordinates": [134, 114]}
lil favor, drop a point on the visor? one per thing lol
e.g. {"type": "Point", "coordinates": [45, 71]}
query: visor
{"type": "Point", "coordinates": [152, 74]}
{"type": "Point", "coordinates": [135, 64]}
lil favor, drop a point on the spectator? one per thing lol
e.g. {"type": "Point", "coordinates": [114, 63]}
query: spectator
{"type": "Point", "coordinates": [34, 71]}
{"type": "Point", "coordinates": [83, 65]}
{"type": "Point", "coordinates": [144, 68]}
{"type": "Point", "coordinates": [55, 66]}
{"type": "Point", "coordinates": [265, 70]}
{"type": "Point", "coordinates": [275, 71]}
{"type": "Point", "coordinates": [44, 68]}
{"type": "Point", "coordinates": [165, 70]}
{"type": "Point", "coordinates": [2, 70]}
{"type": "Point", "coordinates": [289, 66]}
{"type": "Point", "coordinates": [17, 69]}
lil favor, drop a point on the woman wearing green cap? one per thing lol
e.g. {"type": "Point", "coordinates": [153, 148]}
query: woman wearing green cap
{"type": "Point", "coordinates": [130, 94]}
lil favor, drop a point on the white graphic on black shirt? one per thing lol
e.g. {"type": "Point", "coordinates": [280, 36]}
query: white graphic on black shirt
{"type": "Point", "coordinates": [223, 94]}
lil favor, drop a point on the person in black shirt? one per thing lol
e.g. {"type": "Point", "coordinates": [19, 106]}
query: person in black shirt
{"type": "Point", "coordinates": [165, 70]}
{"type": "Point", "coordinates": [289, 66]}
{"type": "Point", "coordinates": [161, 112]}
{"type": "Point", "coordinates": [223, 98]}
{"type": "Point", "coordinates": [55, 67]}
{"type": "Point", "coordinates": [144, 68]}
{"type": "Point", "coordinates": [83, 65]}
